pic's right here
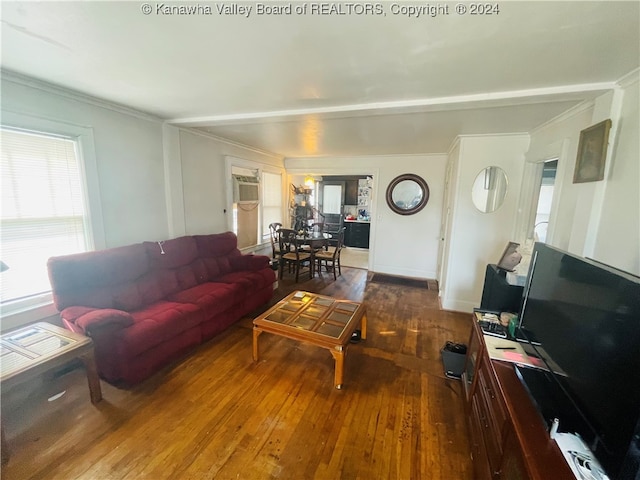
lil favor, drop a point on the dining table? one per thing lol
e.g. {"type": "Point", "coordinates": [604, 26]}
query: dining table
{"type": "Point", "coordinates": [315, 240]}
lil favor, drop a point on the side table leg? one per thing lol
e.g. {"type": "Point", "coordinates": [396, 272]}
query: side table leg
{"type": "Point", "coordinates": [256, 334]}
{"type": "Point", "coordinates": [92, 376]}
{"type": "Point", "coordinates": [338, 356]}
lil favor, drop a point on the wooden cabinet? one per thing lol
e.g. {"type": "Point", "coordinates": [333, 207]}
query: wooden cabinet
{"type": "Point", "coordinates": [508, 438]}
{"type": "Point", "coordinates": [351, 192]}
{"type": "Point", "coordinates": [357, 234]}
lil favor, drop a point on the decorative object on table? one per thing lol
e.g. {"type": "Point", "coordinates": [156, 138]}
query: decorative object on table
{"type": "Point", "coordinates": [407, 194]}
{"type": "Point", "coordinates": [592, 153]}
{"type": "Point", "coordinates": [510, 257]}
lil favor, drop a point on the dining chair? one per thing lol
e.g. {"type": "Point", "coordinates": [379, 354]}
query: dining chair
{"type": "Point", "coordinates": [291, 254]}
{"type": "Point", "coordinates": [317, 227]}
{"type": "Point", "coordinates": [331, 257]}
{"type": "Point", "coordinates": [273, 234]}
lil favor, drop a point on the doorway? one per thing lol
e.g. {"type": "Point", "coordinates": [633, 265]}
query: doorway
{"type": "Point", "coordinates": [545, 199]}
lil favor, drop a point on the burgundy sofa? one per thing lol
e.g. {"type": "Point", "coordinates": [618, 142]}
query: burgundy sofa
{"type": "Point", "coordinates": [146, 304]}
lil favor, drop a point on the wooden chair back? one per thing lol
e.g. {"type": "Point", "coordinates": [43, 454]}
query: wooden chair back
{"type": "Point", "coordinates": [273, 235]}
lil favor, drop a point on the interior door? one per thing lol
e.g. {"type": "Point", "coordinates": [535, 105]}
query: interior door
{"type": "Point", "coordinates": [332, 197]}
{"type": "Point", "coordinates": [332, 205]}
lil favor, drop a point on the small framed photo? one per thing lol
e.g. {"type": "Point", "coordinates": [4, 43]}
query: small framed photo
{"type": "Point", "coordinates": [592, 153]}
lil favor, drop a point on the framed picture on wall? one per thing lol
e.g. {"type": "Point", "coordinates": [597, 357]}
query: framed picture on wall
{"type": "Point", "coordinates": [592, 153]}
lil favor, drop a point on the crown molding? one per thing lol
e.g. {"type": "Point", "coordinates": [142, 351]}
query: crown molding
{"type": "Point", "coordinates": [458, 140]}
{"type": "Point", "coordinates": [393, 156]}
{"type": "Point", "coordinates": [19, 79]}
{"type": "Point", "coordinates": [226, 141]}
{"type": "Point", "coordinates": [458, 102]}
{"type": "Point", "coordinates": [630, 78]}
{"type": "Point", "coordinates": [564, 116]}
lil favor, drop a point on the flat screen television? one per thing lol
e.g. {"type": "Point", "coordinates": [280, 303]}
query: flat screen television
{"type": "Point", "coordinates": [583, 319]}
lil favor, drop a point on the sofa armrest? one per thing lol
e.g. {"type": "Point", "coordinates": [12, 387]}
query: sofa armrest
{"type": "Point", "coordinates": [249, 262]}
{"type": "Point", "coordinates": [89, 320]}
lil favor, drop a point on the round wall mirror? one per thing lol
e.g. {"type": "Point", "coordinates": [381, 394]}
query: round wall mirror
{"type": "Point", "coordinates": [407, 194]}
{"type": "Point", "coordinates": [489, 189]}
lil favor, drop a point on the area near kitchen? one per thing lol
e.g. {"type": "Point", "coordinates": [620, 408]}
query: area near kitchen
{"type": "Point", "coordinates": [337, 201]}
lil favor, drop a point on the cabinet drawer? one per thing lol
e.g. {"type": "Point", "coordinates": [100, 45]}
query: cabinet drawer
{"type": "Point", "coordinates": [478, 451]}
{"type": "Point", "coordinates": [493, 396]}
{"type": "Point", "coordinates": [491, 430]}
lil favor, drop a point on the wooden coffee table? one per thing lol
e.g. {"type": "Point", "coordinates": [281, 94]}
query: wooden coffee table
{"type": "Point", "coordinates": [30, 351]}
{"type": "Point", "coordinates": [315, 319]}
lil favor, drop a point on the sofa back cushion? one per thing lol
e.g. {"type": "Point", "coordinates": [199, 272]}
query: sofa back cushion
{"type": "Point", "coordinates": [173, 253]}
{"type": "Point", "coordinates": [176, 265]}
{"type": "Point", "coordinates": [216, 251]}
{"type": "Point", "coordinates": [100, 279]}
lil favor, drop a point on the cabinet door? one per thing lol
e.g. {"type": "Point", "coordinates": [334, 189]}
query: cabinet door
{"type": "Point", "coordinates": [513, 465]}
{"type": "Point", "coordinates": [348, 234]}
{"type": "Point", "coordinates": [481, 465]}
{"type": "Point", "coordinates": [351, 193]}
{"type": "Point", "coordinates": [360, 235]}
{"type": "Point", "coordinates": [472, 363]}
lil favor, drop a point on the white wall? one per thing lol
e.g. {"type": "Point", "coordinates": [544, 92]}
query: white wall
{"type": "Point", "coordinates": [399, 245]}
{"type": "Point", "coordinates": [617, 240]}
{"type": "Point", "coordinates": [476, 239]}
{"type": "Point", "coordinates": [128, 151]}
{"type": "Point", "coordinates": [204, 179]}
{"type": "Point", "coordinates": [601, 219]}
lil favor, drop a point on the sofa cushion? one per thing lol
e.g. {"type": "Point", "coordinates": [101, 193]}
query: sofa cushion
{"type": "Point", "coordinates": [85, 278]}
{"type": "Point", "coordinates": [158, 323]}
{"type": "Point", "coordinates": [249, 281]}
{"type": "Point", "coordinates": [171, 253]}
{"type": "Point", "coordinates": [217, 244]}
{"type": "Point", "coordinates": [103, 317]}
{"type": "Point", "coordinates": [249, 262]}
{"type": "Point", "coordinates": [213, 298]}
{"type": "Point", "coordinates": [150, 288]}
{"type": "Point", "coordinates": [126, 296]}
{"type": "Point", "coordinates": [94, 297]}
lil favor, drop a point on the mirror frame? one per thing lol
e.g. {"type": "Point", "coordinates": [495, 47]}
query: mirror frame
{"type": "Point", "coordinates": [401, 178]}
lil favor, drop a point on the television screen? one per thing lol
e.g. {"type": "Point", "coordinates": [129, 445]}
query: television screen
{"type": "Point", "coordinates": [583, 319]}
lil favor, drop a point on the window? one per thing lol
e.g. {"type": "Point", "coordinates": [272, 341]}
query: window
{"type": "Point", "coordinates": [43, 211]}
{"type": "Point", "coordinates": [271, 201]}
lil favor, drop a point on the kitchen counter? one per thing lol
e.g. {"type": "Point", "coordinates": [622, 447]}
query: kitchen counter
{"type": "Point", "coordinates": [357, 221]}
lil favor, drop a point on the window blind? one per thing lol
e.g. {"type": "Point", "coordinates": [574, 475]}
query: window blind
{"type": "Point", "coordinates": [43, 210]}
{"type": "Point", "coordinates": [271, 201]}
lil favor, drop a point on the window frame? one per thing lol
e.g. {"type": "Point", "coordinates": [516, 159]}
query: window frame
{"type": "Point", "coordinates": [240, 163]}
{"type": "Point", "coordinates": [36, 307]}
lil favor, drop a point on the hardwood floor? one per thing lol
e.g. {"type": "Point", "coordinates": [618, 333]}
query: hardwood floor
{"type": "Point", "coordinates": [216, 414]}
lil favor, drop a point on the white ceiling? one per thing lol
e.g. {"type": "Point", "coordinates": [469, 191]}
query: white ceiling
{"type": "Point", "coordinates": [330, 85]}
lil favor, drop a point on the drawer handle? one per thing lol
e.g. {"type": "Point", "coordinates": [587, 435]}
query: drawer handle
{"type": "Point", "coordinates": [484, 421]}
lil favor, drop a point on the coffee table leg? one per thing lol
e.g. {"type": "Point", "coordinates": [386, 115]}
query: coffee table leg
{"type": "Point", "coordinates": [338, 356]}
{"type": "Point", "coordinates": [4, 446]}
{"type": "Point", "coordinates": [363, 326]}
{"type": "Point", "coordinates": [95, 391]}
{"type": "Point", "coordinates": [256, 334]}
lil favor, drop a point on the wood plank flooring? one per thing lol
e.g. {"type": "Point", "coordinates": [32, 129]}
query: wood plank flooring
{"type": "Point", "coordinates": [216, 414]}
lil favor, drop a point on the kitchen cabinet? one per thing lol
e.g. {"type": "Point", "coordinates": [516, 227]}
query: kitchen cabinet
{"type": "Point", "coordinates": [351, 192]}
{"type": "Point", "coordinates": [357, 234]}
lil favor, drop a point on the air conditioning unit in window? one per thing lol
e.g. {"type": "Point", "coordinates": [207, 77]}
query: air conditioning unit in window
{"type": "Point", "coordinates": [246, 189]}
